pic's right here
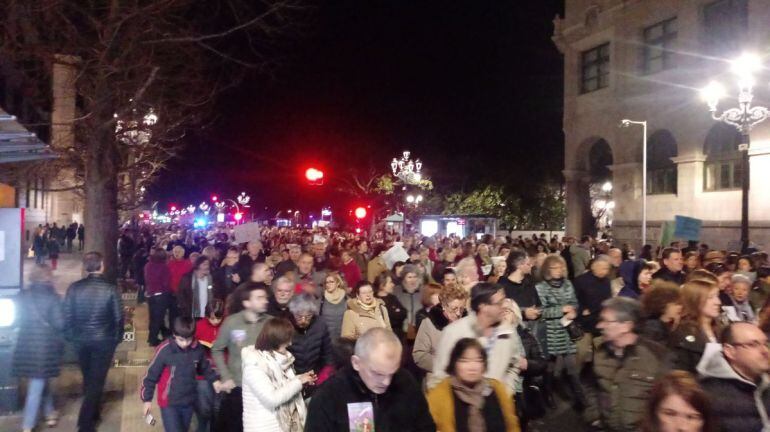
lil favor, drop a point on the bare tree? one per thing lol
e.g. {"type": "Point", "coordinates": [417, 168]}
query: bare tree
{"type": "Point", "coordinates": [167, 59]}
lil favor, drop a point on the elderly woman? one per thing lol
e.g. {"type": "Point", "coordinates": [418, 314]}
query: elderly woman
{"type": "Point", "coordinates": [466, 400]}
{"type": "Point", "coordinates": [311, 346]}
{"type": "Point", "coordinates": [451, 307]}
{"type": "Point", "coordinates": [365, 311]}
{"type": "Point", "coordinates": [409, 293]}
{"type": "Point", "coordinates": [739, 294]}
{"type": "Point", "coordinates": [334, 303]}
{"type": "Point", "coordinates": [557, 296]}
{"type": "Point", "coordinates": [272, 392]}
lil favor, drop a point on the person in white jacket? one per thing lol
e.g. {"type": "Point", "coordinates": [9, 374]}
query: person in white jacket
{"type": "Point", "coordinates": [272, 393]}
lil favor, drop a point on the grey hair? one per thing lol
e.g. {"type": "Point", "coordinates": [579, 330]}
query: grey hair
{"type": "Point", "coordinates": [279, 281]}
{"type": "Point", "coordinates": [411, 268]}
{"type": "Point", "coordinates": [626, 309]}
{"type": "Point", "coordinates": [372, 339]}
{"type": "Point", "coordinates": [303, 304]}
{"type": "Point", "coordinates": [739, 278]}
{"type": "Point", "coordinates": [466, 264]}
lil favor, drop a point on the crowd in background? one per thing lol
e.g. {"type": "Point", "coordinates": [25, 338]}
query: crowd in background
{"type": "Point", "coordinates": [327, 330]}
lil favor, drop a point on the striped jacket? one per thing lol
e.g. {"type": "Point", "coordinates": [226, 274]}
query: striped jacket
{"type": "Point", "coordinates": [553, 299]}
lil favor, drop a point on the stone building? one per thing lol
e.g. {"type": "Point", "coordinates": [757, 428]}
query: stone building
{"type": "Point", "coordinates": [45, 200]}
{"type": "Point", "coordinates": [646, 60]}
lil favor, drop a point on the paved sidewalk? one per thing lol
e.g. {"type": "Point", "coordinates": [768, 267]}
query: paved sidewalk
{"type": "Point", "coordinates": [121, 407]}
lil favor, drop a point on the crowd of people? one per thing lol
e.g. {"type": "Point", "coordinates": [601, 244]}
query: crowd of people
{"type": "Point", "coordinates": [49, 240]}
{"type": "Point", "coordinates": [323, 330]}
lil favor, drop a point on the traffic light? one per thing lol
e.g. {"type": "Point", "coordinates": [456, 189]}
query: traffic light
{"type": "Point", "coordinates": [214, 198]}
{"type": "Point", "coordinates": [238, 216]}
{"type": "Point", "coordinates": [360, 212]}
{"type": "Point", "coordinates": [314, 176]}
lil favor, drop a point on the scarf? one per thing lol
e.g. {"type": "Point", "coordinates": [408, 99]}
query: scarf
{"type": "Point", "coordinates": [474, 397]}
{"type": "Point", "coordinates": [279, 370]}
{"type": "Point", "coordinates": [367, 308]}
{"type": "Point", "coordinates": [556, 283]}
{"type": "Point", "coordinates": [335, 297]}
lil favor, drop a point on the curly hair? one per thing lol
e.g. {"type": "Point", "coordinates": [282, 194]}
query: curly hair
{"type": "Point", "coordinates": [449, 294]}
{"type": "Point", "coordinates": [661, 294]}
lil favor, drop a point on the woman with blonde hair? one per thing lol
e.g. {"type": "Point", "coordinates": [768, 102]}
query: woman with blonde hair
{"type": "Point", "coordinates": [557, 295]}
{"type": "Point", "coordinates": [699, 324]}
{"type": "Point", "coordinates": [451, 307]}
{"type": "Point", "coordinates": [334, 303]}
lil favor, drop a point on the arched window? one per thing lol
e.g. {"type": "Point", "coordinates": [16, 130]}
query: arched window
{"type": "Point", "coordinates": [723, 160]}
{"type": "Point", "coordinates": [599, 160]}
{"type": "Point", "coordinates": [661, 170]}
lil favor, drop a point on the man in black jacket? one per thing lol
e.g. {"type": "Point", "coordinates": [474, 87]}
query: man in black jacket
{"type": "Point", "coordinates": [93, 315]}
{"type": "Point", "coordinates": [372, 382]}
{"type": "Point", "coordinates": [737, 378]}
{"type": "Point", "coordinates": [671, 270]}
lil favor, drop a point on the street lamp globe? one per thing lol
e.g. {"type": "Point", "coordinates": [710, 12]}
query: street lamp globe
{"type": "Point", "coordinates": [712, 93]}
{"type": "Point", "coordinates": [746, 65]}
{"type": "Point", "coordinates": [418, 199]}
{"type": "Point", "coordinates": [607, 187]}
{"type": "Point", "coordinates": [410, 199]}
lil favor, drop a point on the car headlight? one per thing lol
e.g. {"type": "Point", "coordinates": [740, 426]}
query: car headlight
{"type": "Point", "coordinates": [7, 312]}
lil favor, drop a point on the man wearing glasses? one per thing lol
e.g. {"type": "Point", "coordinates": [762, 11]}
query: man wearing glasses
{"type": "Point", "coordinates": [737, 378]}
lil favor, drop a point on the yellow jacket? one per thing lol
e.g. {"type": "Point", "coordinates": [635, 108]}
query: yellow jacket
{"type": "Point", "coordinates": [442, 406]}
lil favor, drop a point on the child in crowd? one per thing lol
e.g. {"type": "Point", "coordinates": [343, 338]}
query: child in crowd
{"type": "Point", "coordinates": [206, 332]}
{"type": "Point", "coordinates": [177, 392]}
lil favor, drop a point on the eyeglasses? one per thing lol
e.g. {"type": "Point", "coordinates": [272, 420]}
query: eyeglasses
{"type": "Point", "coordinates": [456, 310]}
{"type": "Point", "coordinates": [755, 344]}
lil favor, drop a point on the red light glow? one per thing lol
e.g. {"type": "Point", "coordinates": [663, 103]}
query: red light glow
{"type": "Point", "coordinates": [313, 174]}
{"type": "Point", "coordinates": [238, 216]}
{"type": "Point", "coordinates": [360, 212]}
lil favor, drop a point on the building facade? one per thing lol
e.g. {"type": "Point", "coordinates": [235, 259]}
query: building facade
{"type": "Point", "coordinates": [646, 60]}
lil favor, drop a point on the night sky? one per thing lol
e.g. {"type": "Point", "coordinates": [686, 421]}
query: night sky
{"type": "Point", "coordinates": [473, 88]}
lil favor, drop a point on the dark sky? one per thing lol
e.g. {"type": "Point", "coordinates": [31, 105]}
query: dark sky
{"type": "Point", "coordinates": [473, 88]}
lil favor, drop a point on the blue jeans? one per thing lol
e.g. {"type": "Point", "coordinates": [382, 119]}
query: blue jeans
{"type": "Point", "coordinates": [177, 418]}
{"type": "Point", "coordinates": [38, 391]}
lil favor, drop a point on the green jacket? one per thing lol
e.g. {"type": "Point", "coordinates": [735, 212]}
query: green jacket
{"type": "Point", "coordinates": [235, 334]}
{"type": "Point", "coordinates": [758, 295]}
{"type": "Point", "coordinates": [625, 382]}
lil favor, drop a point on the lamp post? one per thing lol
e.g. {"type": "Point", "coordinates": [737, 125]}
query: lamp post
{"type": "Point", "coordinates": [627, 123]}
{"type": "Point", "coordinates": [408, 171]}
{"type": "Point", "coordinates": [744, 118]}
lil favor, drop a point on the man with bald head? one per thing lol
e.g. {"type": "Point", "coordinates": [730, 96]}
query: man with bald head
{"type": "Point", "coordinates": [373, 382]}
{"type": "Point", "coordinates": [737, 378]}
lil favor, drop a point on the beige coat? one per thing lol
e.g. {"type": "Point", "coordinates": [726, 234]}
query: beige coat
{"type": "Point", "coordinates": [356, 321]}
{"type": "Point", "coordinates": [375, 267]}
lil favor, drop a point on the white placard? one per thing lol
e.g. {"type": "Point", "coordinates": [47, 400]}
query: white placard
{"type": "Point", "coordinates": [2, 245]}
{"type": "Point", "coordinates": [247, 232]}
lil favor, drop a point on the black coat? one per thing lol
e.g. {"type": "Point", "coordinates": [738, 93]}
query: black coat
{"type": "Point", "coordinates": [591, 292]}
{"type": "Point", "coordinates": [93, 311]}
{"type": "Point", "coordinates": [402, 408]}
{"type": "Point", "coordinates": [39, 350]}
{"type": "Point", "coordinates": [397, 314]}
{"type": "Point", "coordinates": [536, 361]}
{"type": "Point", "coordinates": [667, 275]}
{"type": "Point", "coordinates": [733, 404]}
{"type": "Point", "coordinates": [687, 344]}
{"type": "Point", "coordinates": [524, 293]}
{"type": "Point", "coordinates": [311, 347]}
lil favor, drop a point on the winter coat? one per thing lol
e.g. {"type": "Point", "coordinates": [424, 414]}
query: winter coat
{"type": "Point", "coordinates": [375, 266]}
{"type": "Point", "coordinates": [38, 353]}
{"type": "Point", "coordinates": [39, 245]}
{"type": "Point", "coordinates": [356, 321]}
{"type": "Point", "coordinates": [581, 257]}
{"type": "Point", "coordinates": [157, 278]}
{"type": "Point", "coordinates": [557, 340]}
{"type": "Point", "coordinates": [687, 343]}
{"type": "Point", "coordinates": [536, 361]}
{"type": "Point", "coordinates": [402, 408]}
{"type": "Point", "coordinates": [396, 314]}
{"type": "Point", "coordinates": [93, 312]}
{"type": "Point", "coordinates": [591, 292]}
{"type": "Point", "coordinates": [412, 302]}
{"type": "Point", "coordinates": [351, 273]}
{"type": "Point", "coordinates": [332, 314]}
{"type": "Point", "coordinates": [499, 411]}
{"type": "Point", "coordinates": [758, 295]}
{"type": "Point", "coordinates": [629, 274]}
{"type": "Point", "coordinates": [505, 350]}
{"type": "Point", "coordinates": [235, 333]}
{"type": "Point", "coordinates": [625, 383]}
{"type": "Point", "coordinates": [261, 399]}
{"type": "Point", "coordinates": [311, 347]}
{"type": "Point", "coordinates": [173, 371]}
{"type": "Point", "coordinates": [656, 330]}
{"type": "Point", "coordinates": [427, 339]}
{"type": "Point", "coordinates": [524, 293]}
{"type": "Point", "coordinates": [187, 294]}
{"type": "Point", "coordinates": [53, 249]}
{"type": "Point", "coordinates": [667, 275]}
{"type": "Point", "coordinates": [738, 404]}
{"type": "Point", "coordinates": [178, 269]}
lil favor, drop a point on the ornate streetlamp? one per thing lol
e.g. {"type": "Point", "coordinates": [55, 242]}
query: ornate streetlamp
{"type": "Point", "coordinates": [407, 170]}
{"type": "Point", "coordinates": [743, 117]}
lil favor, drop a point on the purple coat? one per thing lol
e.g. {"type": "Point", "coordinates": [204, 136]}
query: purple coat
{"type": "Point", "coordinates": [157, 278]}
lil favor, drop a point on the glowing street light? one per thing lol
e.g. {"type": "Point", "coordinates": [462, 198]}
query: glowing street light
{"type": "Point", "coordinates": [190, 208]}
{"type": "Point", "coordinates": [406, 169]}
{"type": "Point", "coordinates": [743, 117]}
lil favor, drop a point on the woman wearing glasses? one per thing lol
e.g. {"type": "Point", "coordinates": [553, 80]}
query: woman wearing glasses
{"type": "Point", "coordinates": [451, 307]}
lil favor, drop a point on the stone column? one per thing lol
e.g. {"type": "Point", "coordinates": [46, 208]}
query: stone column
{"type": "Point", "coordinates": [578, 202]}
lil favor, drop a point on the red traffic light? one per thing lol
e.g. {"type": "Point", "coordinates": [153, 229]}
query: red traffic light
{"type": "Point", "coordinates": [360, 212]}
{"type": "Point", "coordinates": [314, 176]}
{"type": "Point", "coordinates": [214, 198]}
{"type": "Point", "coordinates": [238, 216]}
{"type": "Point", "coordinates": [173, 208]}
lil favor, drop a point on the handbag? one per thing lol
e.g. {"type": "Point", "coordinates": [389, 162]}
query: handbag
{"type": "Point", "coordinates": [574, 330]}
